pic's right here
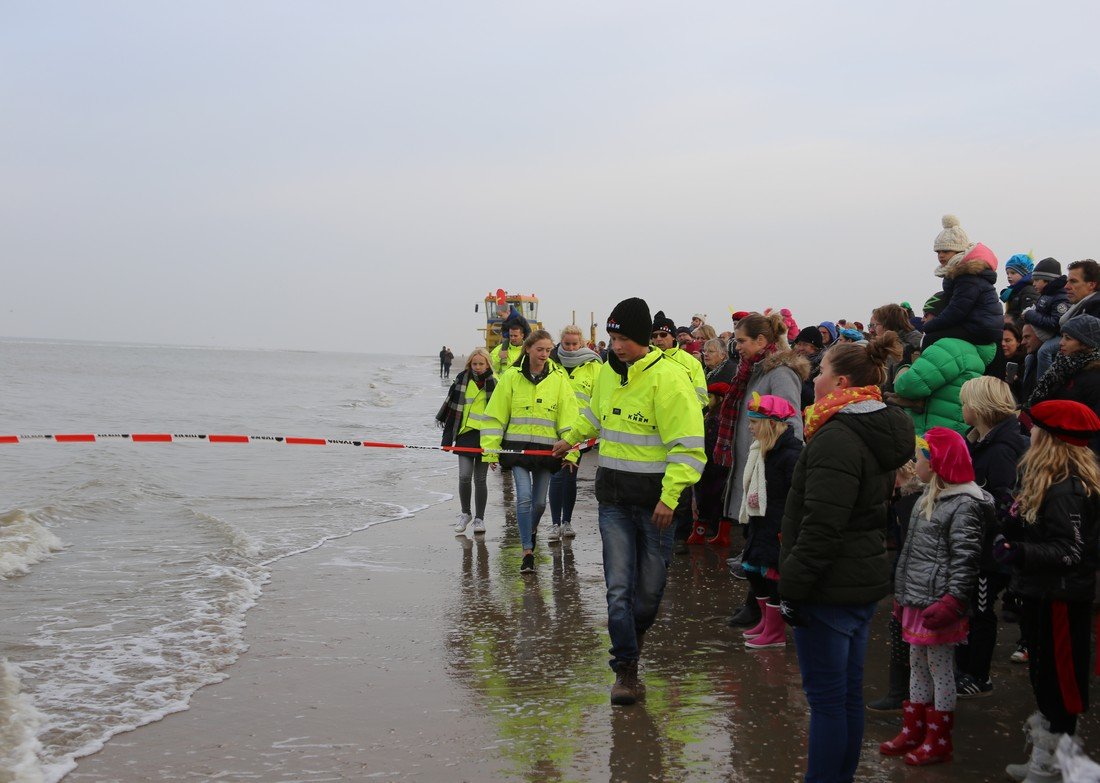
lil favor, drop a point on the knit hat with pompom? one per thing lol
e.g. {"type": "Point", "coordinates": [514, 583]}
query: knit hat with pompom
{"type": "Point", "coordinates": [952, 237]}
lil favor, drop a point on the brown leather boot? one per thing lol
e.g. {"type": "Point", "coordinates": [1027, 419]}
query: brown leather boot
{"type": "Point", "coordinates": [625, 689]}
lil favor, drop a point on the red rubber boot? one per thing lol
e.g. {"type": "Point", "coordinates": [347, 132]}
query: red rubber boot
{"type": "Point", "coordinates": [936, 747]}
{"type": "Point", "coordinates": [722, 537]}
{"type": "Point", "coordinates": [698, 535]}
{"type": "Point", "coordinates": [912, 730]}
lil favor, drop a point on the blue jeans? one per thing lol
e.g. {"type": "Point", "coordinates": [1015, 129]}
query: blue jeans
{"type": "Point", "coordinates": [1047, 351]}
{"type": "Point", "coordinates": [531, 486]}
{"type": "Point", "coordinates": [635, 563]}
{"type": "Point", "coordinates": [831, 649]}
{"type": "Point", "coordinates": [563, 494]}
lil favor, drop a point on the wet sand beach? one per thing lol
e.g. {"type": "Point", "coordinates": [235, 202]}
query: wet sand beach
{"type": "Point", "coordinates": [403, 653]}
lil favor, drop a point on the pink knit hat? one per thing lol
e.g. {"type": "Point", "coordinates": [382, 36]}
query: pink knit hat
{"type": "Point", "coordinates": [770, 407]}
{"type": "Point", "coordinates": [948, 455]}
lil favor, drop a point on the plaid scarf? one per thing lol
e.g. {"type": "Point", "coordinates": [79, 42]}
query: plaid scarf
{"type": "Point", "coordinates": [731, 407]}
{"type": "Point", "coordinates": [456, 397]}
{"type": "Point", "coordinates": [833, 403]}
{"type": "Point", "coordinates": [1062, 370]}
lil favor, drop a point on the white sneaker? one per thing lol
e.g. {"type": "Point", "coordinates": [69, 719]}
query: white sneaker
{"type": "Point", "coordinates": [479, 527]}
{"type": "Point", "coordinates": [567, 531]}
{"type": "Point", "coordinates": [460, 525]}
{"type": "Point", "coordinates": [554, 536]}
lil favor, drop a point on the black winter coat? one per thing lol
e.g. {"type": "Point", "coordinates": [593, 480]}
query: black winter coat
{"type": "Point", "coordinates": [973, 311]}
{"type": "Point", "coordinates": [1022, 298]}
{"type": "Point", "coordinates": [833, 549]}
{"type": "Point", "coordinates": [1056, 558]}
{"type": "Point", "coordinates": [1050, 307]}
{"type": "Point", "coordinates": [762, 546]}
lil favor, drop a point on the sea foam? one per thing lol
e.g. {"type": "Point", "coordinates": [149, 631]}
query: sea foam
{"type": "Point", "coordinates": [23, 542]}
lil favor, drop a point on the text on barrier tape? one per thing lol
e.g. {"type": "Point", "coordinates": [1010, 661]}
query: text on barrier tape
{"type": "Point", "coordinates": [165, 437]}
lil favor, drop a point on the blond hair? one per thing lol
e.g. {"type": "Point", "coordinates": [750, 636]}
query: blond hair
{"type": "Point", "coordinates": [768, 433]}
{"type": "Point", "coordinates": [572, 329]}
{"type": "Point", "coordinates": [989, 398]}
{"type": "Point", "coordinates": [479, 351]}
{"type": "Point", "coordinates": [1048, 462]}
{"type": "Point", "coordinates": [931, 495]}
{"type": "Point", "coordinates": [704, 332]}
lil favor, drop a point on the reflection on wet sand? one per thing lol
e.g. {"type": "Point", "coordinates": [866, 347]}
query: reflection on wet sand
{"type": "Point", "coordinates": [532, 652]}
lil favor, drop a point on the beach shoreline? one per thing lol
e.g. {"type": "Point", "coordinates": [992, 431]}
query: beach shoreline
{"type": "Point", "coordinates": [404, 653]}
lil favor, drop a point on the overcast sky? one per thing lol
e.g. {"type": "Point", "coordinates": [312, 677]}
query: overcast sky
{"type": "Point", "coordinates": [354, 176]}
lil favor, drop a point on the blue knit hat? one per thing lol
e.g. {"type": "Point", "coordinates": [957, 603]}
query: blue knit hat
{"type": "Point", "coordinates": [1022, 263]}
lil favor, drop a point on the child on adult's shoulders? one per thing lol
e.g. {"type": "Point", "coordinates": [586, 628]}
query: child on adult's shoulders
{"type": "Point", "coordinates": [972, 309]}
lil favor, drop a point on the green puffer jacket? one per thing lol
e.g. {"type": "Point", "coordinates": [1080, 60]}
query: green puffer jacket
{"type": "Point", "coordinates": [936, 378]}
{"type": "Point", "coordinates": [834, 524]}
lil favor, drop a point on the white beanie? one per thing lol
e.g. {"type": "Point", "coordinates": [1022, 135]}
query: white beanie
{"type": "Point", "coordinates": [952, 237]}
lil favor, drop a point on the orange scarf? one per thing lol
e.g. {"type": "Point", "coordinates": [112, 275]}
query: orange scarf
{"type": "Point", "coordinates": [835, 401]}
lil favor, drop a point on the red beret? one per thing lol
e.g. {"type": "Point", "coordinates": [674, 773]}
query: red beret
{"type": "Point", "coordinates": [719, 388]}
{"type": "Point", "coordinates": [1066, 420]}
{"type": "Point", "coordinates": [950, 458]}
{"type": "Point", "coordinates": [740, 314]}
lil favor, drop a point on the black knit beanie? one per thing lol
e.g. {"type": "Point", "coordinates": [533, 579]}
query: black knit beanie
{"type": "Point", "coordinates": [1047, 269]}
{"type": "Point", "coordinates": [630, 318]}
{"type": "Point", "coordinates": [663, 324]}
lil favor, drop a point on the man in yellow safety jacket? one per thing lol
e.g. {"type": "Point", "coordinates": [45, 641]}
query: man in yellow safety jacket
{"type": "Point", "coordinates": [505, 355]}
{"type": "Point", "coordinates": [650, 425]}
{"type": "Point", "coordinates": [664, 338]}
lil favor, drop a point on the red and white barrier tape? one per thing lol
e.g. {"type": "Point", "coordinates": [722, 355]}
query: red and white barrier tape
{"type": "Point", "coordinates": [165, 437]}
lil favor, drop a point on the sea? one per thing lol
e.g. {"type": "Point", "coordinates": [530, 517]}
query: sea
{"type": "Point", "coordinates": [127, 569]}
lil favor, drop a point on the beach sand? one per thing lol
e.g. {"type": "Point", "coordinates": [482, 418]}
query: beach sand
{"type": "Point", "coordinates": [403, 653]}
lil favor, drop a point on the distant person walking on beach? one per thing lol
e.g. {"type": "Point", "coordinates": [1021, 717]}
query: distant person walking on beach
{"type": "Point", "coordinates": [461, 418]}
{"type": "Point", "coordinates": [442, 360]}
{"type": "Point", "coordinates": [448, 357]}
{"type": "Point", "coordinates": [533, 406]}
{"type": "Point", "coordinates": [647, 415]}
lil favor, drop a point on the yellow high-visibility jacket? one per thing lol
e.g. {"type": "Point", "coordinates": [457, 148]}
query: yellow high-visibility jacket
{"type": "Point", "coordinates": [514, 352]}
{"type": "Point", "coordinates": [523, 415]}
{"type": "Point", "coordinates": [695, 371]}
{"type": "Point", "coordinates": [650, 427]}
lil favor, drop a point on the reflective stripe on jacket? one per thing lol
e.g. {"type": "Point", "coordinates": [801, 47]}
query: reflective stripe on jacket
{"type": "Point", "coordinates": [650, 425]}
{"type": "Point", "coordinates": [473, 409]}
{"type": "Point", "coordinates": [583, 380]}
{"type": "Point", "coordinates": [522, 413]}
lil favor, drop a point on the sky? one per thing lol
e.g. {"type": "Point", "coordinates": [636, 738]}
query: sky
{"type": "Point", "coordinates": [355, 176]}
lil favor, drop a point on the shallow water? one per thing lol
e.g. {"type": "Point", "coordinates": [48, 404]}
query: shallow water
{"type": "Point", "coordinates": [127, 569]}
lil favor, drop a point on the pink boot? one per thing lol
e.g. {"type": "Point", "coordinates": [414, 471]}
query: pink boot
{"type": "Point", "coordinates": [774, 633]}
{"type": "Point", "coordinates": [758, 629]}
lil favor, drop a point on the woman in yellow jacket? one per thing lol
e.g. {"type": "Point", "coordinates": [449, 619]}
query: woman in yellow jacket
{"type": "Point", "coordinates": [582, 365]}
{"type": "Point", "coordinates": [532, 408]}
{"type": "Point", "coordinates": [461, 418]}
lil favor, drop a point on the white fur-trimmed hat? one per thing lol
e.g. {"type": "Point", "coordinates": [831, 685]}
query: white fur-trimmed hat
{"type": "Point", "coordinates": [952, 237]}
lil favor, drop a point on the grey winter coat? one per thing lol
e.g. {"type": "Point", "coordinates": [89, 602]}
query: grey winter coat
{"type": "Point", "coordinates": [780, 374]}
{"type": "Point", "coordinates": [941, 556]}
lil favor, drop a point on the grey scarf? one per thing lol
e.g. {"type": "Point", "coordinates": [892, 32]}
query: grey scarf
{"type": "Point", "coordinates": [1076, 309]}
{"type": "Point", "coordinates": [572, 359]}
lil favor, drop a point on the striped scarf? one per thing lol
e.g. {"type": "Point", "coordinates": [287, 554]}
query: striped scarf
{"type": "Point", "coordinates": [456, 397]}
{"type": "Point", "coordinates": [731, 407]}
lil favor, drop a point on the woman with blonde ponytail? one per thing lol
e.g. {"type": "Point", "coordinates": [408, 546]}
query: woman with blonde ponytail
{"type": "Point", "coordinates": [1050, 540]}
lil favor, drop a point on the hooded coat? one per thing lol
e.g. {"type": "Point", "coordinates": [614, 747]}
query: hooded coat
{"type": "Point", "coordinates": [780, 374]}
{"type": "Point", "coordinates": [833, 545]}
{"type": "Point", "coordinates": [936, 378]}
{"type": "Point", "coordinates": [1052, 304]}
{"type": "Point", "coordinates": [973, 310]}
{"type": "Point", "coordinates": [762, 536]}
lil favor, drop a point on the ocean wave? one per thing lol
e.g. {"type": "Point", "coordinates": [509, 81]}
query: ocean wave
{"type": "Point", "coordinates": [19, 722]}
{"type": "Point", "coordinates": [24, 541]}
